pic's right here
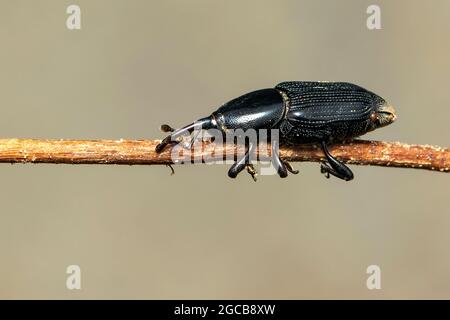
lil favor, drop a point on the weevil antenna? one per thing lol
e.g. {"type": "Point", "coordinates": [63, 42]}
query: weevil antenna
{"type": "Point", "coordinates": [203, 123]}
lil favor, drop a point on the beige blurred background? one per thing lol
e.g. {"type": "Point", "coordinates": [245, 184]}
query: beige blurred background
{"type": "Point", "coordinates": [137, 232]}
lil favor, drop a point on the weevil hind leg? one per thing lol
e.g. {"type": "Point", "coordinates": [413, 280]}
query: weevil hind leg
{"type": "Point", "coordinates": [334, 166]}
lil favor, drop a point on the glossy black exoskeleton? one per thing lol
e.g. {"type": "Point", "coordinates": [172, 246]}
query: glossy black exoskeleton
{"type": "Point", "coordinates": [304, 112]}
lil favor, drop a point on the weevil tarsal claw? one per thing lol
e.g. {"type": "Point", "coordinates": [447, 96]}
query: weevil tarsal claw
{"type": "Point", "coordinates": [251, 170]}
{"type": "Point", "coordinates": [172, 171]}
{"type": "Point", "coordinates": [325, 170]}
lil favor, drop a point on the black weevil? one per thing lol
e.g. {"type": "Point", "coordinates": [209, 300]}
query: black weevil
{"type": "Point", "coordinates": [304, 112]}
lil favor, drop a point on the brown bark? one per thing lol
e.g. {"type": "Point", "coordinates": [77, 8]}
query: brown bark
{"type": "Point", "coordinates": [132, 152]}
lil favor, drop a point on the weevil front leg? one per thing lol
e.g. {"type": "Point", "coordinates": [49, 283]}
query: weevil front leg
{"type": "Point", "coordinates": [335, 167]}
{"type": "Point", "coordinates": [244, 163]}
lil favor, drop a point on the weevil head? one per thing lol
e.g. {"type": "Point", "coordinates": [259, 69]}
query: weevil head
{"type": "Point", "coordinates": [383, 114]}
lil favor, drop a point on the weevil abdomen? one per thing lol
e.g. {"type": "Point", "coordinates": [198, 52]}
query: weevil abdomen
{"type": "Point", "coordinates": [322, 111]}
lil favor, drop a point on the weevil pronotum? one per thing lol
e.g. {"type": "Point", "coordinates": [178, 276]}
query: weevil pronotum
{"type": "Point", "coordinates": [304, 112]}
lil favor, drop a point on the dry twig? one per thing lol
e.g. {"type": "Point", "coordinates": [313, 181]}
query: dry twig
{"type": "Point", "coordinates": [133, 152]}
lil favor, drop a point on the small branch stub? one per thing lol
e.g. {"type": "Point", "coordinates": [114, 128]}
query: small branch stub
{"type": "Point", "coordinates": [142, 152]}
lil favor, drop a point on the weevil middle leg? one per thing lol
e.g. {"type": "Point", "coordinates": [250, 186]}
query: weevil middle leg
{"type": "Point", "coordinates": [279, 164]}
{"type": "Point", "coordinates": [282, 166]}
{"type": "Point", "coordinates": [289, 167]}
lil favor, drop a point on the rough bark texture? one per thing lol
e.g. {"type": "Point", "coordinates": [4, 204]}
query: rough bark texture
{"type": "Point", "coordinates": [132, 152]}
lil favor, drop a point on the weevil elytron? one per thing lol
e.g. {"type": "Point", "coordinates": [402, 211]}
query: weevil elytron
{"type": "Point", "coordinates": [304, 112]}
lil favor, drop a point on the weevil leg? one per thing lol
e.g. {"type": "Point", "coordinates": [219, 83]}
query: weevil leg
{"type": "Point", "coordinates": [236, 168]}
{"type": "Point", "coordinates": [172, 171]}
{"type": "Point", "coordinates": [251, 171]}
{"type": "Point", "coordinates": [244, 163]}
{"type": "Point", "coordinates": [335, 167]}
{"type": "Point", "coordinates": [289, 167]}
{"type": "Point", "coordinates": [325, 169]}
{"type": "Point", "coordinates": [279, 164]}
